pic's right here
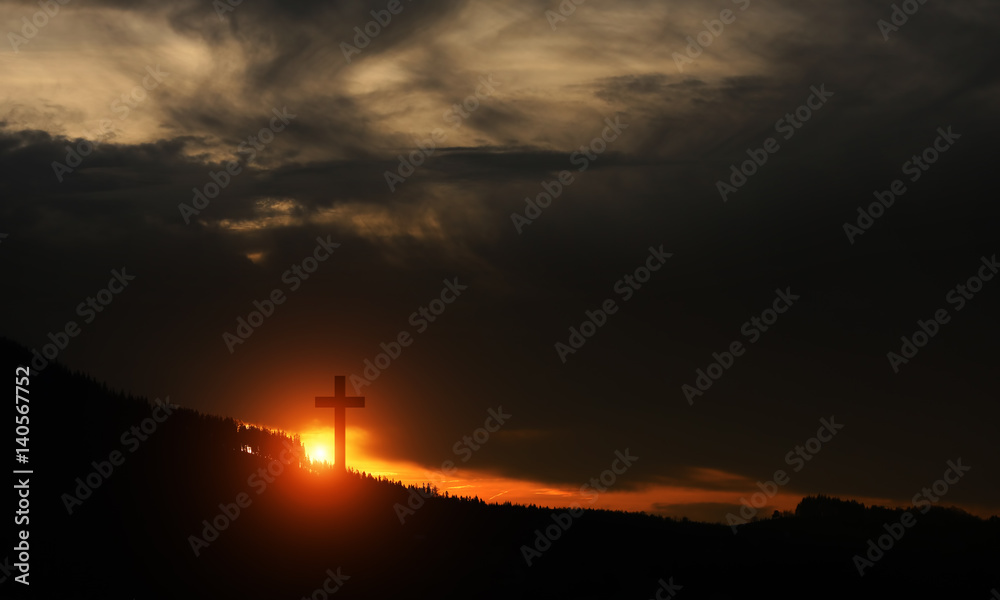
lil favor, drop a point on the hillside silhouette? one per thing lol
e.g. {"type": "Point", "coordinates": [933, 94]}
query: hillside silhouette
{"type": "Point", "coordinates": [130, 537]}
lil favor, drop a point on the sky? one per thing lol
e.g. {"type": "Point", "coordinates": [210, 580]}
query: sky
{"type": "Point", "coordinates": [664, 171]}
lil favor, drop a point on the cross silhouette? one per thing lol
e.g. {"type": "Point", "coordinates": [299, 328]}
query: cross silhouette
{"type": "Point", "coordinates": [341, 403]}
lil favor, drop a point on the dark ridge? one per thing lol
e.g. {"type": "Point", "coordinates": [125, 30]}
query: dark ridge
{"type": "Point", "coordinates": [130, 537]}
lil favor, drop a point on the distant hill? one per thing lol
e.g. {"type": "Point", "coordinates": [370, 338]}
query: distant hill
{"type": "Point", "coordinates": [298, 529]}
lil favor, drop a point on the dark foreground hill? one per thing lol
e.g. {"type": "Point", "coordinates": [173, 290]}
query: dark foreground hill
{"type": "Point", "coordinates": [178, 508]}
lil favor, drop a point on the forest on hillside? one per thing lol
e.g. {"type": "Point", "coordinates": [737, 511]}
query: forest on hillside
{"type": "Point", "coordinates": [189, 505]}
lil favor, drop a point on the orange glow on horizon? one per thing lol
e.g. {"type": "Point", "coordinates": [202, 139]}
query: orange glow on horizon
{"type": "Point", "coordinates": [674, 500]}
{"type": "Point", "coordinates": [318, 454]}
{"type": "Point", "coordinates": [361, 456]}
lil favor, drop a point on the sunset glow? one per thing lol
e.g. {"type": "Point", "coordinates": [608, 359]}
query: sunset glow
{"type": "Point", "coordinates": [514, 299]}
{"type": "Point", "coordinates": [666, 500]}
{"type": "Point", "coordinates": [318, 453]}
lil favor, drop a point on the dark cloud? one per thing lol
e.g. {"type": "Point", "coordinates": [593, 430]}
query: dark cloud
{"type": "Point", "coordinates": [325, 176]}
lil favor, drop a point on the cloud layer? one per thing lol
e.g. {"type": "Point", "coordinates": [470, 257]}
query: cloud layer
{"type": "Point", "coordinates": [685, 124]}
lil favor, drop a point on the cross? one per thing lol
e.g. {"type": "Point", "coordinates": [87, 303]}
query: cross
{"type": "Point", "coordinates": [340, 402]}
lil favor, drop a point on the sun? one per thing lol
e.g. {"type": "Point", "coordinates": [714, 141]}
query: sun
{"type": "Point", "coordinates": [319, 454]}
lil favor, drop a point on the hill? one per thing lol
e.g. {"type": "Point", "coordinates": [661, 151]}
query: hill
{"type": "Point", "coordinates": [134, 499]}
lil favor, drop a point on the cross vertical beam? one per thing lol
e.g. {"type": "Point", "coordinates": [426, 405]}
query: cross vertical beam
{"type": "Point", "coordinates": [340, 402]}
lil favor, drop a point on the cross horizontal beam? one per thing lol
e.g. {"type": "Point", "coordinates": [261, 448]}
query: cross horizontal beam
{"type": "Point", "coordinates": [340, 399]}
{"type": "Point", "coordinates": [341, 402]}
